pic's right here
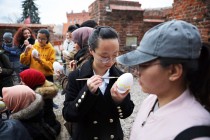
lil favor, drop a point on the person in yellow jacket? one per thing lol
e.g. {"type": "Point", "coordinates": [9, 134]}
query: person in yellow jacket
{"type": "Point", "coordinates": [41, 55]}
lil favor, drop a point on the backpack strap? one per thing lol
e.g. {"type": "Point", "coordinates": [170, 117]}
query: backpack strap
{"type": "Point", "coordinates": [194, 132]}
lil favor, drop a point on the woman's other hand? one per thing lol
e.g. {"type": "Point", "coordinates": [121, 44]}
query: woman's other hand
{"type": "Point", "coordinates": [28, 48]}
{"type": "Point", "coordinates": [116, 96]}
{"type": "Point", "coordinates": [37, 59]}
{"type": "Point", "coordinates": [26, 42]}
{"type": "Point", "coordinates": [72, 65]}
{"type": "Point", "coordinates": [59, 75]}
{"type": "Point", "coordinates": [94, 82]}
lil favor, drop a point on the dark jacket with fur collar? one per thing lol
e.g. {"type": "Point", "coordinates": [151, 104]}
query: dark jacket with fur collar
{"type": "Point", "coordinates": [48, 90]}
{"type": "Point", "coordinates": [31, 111]}
{"type": "Point", "coordinates": [32, 118]}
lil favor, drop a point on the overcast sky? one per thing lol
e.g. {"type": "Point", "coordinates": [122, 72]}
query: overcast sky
{"type": "Point", "coordinates": [54, 11]}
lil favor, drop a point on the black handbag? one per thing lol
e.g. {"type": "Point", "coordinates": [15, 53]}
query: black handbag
{"type": "Point", "coordinates": [194, 132]}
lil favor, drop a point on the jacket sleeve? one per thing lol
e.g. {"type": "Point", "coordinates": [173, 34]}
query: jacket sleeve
{"type": "Point", "coordinates": [25, 58]}
{"type": "Point", "coordinates": [12, 50]}
{"type": "Point", "coordinates": [64, 81]}
{"type": "Point", "coordinates": [7, 69]}
{"type": "Point", "coordinates": [78, 101]}
{"type": "Point", "coordinates": [48, 63]}
{"type": "Point", "coordinates": [125, 108]}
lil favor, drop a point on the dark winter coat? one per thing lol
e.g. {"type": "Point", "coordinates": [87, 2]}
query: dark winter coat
{"type": "Point", "coordinates": [48, 91]}
{"type": "Point", "coordinates": [6, 73]}
{"type": "Point", "coordinates": [33, 120]}
{"type": "Point", "coordinates": [13, 130]}
{"type": "Point", "coordinates": [95, 116]}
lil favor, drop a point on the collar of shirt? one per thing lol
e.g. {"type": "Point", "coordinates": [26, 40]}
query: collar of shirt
{"type": "Point", "coordinates": [104, 83]}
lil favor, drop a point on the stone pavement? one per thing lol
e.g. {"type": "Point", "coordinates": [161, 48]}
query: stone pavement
{"type": "Point", "coordinates": [136, 95]}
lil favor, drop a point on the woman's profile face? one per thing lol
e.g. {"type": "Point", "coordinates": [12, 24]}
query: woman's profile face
{"type": "Point", "coordinates": [68, 35]}
{"type": "Point", "coordinates": [26, 34]}
{"type": "Point", "coordinates": [153, 78]}
{"type": "Point", "coordinates": [76, 47]}
{"type": "Point", "coordinates": [105, 54]}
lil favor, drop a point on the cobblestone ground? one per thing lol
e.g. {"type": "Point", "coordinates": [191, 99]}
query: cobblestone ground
{"type": "Point", "coordinates": [136, 95]}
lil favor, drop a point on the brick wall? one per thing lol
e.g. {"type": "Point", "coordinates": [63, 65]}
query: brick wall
{"type": "Point", "coordinates": [157, 13]}
{"type": "Point", "coordinates": [74, 18]}
{"type": "Point", "coordinates": [126, 17]}
{"type": "Point", "coordinates": [196, 12]}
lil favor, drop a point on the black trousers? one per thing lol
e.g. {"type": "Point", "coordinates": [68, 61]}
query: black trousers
{"type": "Point", "coordinates": [49, 115]}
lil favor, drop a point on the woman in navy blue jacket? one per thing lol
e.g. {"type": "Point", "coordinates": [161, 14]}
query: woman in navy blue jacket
{"type": "Point", "coordinates": [94, 106]}
{"type": "Point", "coordinates": [13, 130]}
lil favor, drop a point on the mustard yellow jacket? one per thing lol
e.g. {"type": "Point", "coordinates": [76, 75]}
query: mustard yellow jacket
{"type": "Point", "coordinates": [47, 56]}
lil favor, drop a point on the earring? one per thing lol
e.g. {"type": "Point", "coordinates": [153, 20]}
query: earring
{"type": "Point", "coordinates": [171, 78]}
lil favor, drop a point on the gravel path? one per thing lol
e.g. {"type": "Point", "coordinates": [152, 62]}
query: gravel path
{"type": "Point", "coordinates": [136, 95]}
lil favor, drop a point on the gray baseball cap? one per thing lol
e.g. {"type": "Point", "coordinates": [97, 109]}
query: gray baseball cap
{"type": "Point", "coordinates": [7, 35]}
{"type": "Point", "coordinates": [172, 39]}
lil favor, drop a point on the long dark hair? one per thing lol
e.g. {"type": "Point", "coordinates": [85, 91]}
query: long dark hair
{"type": "Point", "coordinates": [101, 32]}
{"type": "Point", "coordinates": [196, 74]}
{"type": "Point", "coordinates": [19, 38]}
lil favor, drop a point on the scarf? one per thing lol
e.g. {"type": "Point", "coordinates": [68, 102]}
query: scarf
{"type": "Point", "coordinates": [18, 97]}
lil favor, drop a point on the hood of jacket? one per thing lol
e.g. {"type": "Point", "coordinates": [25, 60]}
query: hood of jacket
{"type": "Point", "coordinates": [48, 90]}
{"type": "Point", "coordinates": [47, 46]}
{"type": "Point", "coordinates": [32, 110]}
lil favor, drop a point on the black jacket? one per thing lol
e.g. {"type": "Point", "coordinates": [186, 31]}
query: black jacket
{"type": "Point", "coordinates": [6, 73]}
{"type": "Point", "coordinates": [95, 116]}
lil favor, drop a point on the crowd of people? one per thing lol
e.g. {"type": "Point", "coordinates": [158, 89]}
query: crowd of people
{"type": "Point", "coordinates": [173, 68]}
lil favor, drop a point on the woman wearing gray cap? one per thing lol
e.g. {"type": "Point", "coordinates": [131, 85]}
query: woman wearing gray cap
{"type": "Point", "coordinates": [174, 69]}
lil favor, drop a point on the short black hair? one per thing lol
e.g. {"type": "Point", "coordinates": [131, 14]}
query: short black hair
{"type": "Point", "coordinates": [46, 32]}
{"type": "Point", "coordinates": [89, 23]}
{"type": "Point", "coordinates": [71, 28]}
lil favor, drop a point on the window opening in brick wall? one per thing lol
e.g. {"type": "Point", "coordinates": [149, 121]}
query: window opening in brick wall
{"type": "Point", "coordinates": [131, 42]}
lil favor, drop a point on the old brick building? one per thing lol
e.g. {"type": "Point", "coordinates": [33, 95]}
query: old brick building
{"type": "Point", "coordinates": [196, 12]}
{"type": "Point", "coordinates": [127, 17]}
{"type": "Point", "coordinates": [131, 21]}
{"type": "Point", "coordinates": [75, 18]}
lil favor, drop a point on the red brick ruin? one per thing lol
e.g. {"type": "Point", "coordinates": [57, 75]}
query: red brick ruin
{"type": "Point", "coordinates": [131, 21]}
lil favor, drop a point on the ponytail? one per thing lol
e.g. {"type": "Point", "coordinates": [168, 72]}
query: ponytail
{"type": "Point", "coordinates": [200, 83]}
{"type": "Point", "coordinates": [196, 73]}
